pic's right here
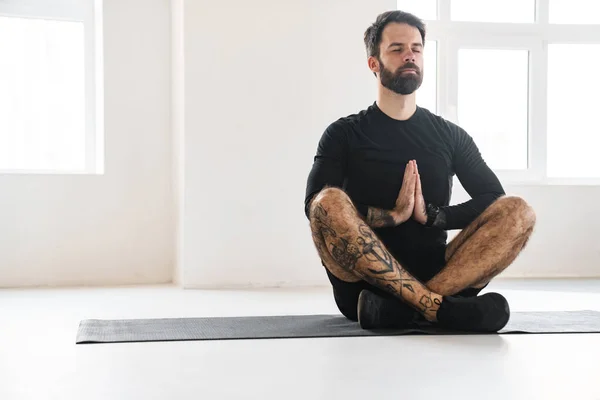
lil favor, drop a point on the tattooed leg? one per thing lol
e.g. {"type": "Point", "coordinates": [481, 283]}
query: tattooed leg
{"type": "Point", "coordinates": [352, 251]}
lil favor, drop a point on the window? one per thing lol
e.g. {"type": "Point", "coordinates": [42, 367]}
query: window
{"type": "Point", "coordinates": [425, 9]}
{"type": "Point", "coordinates": [48, 76]}
{"type": "Point", "coordinates": [493, 11]}
{"type": "Point", "coordinates": [574, 12]}
{"type": "Point", "coordinates": [492, 104]}
{"type": "Point", "coordinates": [573, 132]}
{"type": "Point", "coordinates": [504, 70]}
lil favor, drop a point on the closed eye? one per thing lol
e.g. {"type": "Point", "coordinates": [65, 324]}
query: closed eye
{"type": "Point", "coordinates": [414, 50]}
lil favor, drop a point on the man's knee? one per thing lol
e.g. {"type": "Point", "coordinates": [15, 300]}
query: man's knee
{"type": "Point", "coordinates": [517, 210]}
{"type": "Point", "coordinates": [330, 198]}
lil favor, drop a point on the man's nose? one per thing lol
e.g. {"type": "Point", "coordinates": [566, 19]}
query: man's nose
{"type": "Point", "coordinates": [409, 56]}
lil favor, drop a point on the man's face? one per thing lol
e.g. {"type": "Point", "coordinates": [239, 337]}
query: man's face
{"type": "Point", "coordinates": [401, 58]}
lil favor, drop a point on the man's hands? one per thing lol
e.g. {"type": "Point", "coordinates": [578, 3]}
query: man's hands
{"type": "Point", "coordinates": [410, 202]}
{"type": "Point", "coordinates": [405, 203]}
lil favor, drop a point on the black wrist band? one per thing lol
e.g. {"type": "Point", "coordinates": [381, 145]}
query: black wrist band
{"type": "Point", "coordinates": [432, 214]}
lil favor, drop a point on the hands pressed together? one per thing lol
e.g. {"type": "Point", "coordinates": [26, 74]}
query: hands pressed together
{"type": "Point", "coordinates": [410, 202]}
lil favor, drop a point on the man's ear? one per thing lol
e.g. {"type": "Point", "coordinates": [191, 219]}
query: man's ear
{"type": "Point", "coordinates": [374, 65]}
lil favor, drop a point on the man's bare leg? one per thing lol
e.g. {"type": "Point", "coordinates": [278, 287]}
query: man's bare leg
{"type": "Point", "coordinates": [486, 247]}
{"type": "Point", "coordinates": [351, 251]}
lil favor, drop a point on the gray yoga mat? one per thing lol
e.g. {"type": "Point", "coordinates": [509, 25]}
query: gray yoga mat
{"type": "Point", "coordinates": [306, 326]}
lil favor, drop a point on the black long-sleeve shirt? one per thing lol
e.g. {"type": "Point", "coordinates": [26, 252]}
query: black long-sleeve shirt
{"type": "Point", "coordinates": [365, 154]}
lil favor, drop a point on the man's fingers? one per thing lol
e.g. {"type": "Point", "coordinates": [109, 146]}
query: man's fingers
{"type": "Point", "coordinates": [408, 172]}
{"type": "Point", "coordinates": [411, 179]}
{"type": "Point", "coordinates": [412, 183]}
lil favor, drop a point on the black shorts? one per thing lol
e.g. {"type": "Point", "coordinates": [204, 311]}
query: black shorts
{"type": "Point", "coordinates": [423, 265]}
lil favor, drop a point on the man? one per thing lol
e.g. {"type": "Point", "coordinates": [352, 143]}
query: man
{"type": "Point", "coordinates": [378, 203]}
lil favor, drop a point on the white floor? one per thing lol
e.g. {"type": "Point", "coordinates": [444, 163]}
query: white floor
{"type": "Point", "coordinates": [39, 360]}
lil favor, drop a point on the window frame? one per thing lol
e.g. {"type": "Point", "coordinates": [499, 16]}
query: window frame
{"type": "Point", "coordinates": [535, 37]}
{"type": "Point", "coordinates": [89, 12]}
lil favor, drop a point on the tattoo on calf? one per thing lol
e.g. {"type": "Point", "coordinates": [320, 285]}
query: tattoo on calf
{"type": "Point", "coordinates": [427, 303]}
{"type": "Point", "coordinates": [345, 255]}
{"type": "Point", "coordinates": [373, 251]}
{"type": "Point", "coordinates": [383, 270]}
{"type": "Point", "coordinates": [408, 286]}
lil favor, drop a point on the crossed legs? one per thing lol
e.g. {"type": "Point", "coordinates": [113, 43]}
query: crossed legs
{"type": "Point", "coordinates": [351, 251]}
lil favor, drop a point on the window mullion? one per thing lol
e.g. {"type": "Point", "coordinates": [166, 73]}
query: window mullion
{"type": "Point", "coordinates": [90, 96]}
{"type": "Point", "coordinates": [538, 98]}
{"type": "Point", "coordinates": [450, 80]}
{"type": "Point", "coordinates": [538, 112]}
{"type": "Point", "coordinates": [443, 7]}
{"type": "Point", "coordinates": [542, 11]}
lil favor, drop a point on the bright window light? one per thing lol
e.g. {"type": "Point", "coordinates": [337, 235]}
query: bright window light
{"type": "Point", "coordinates": [513, 11]}
{"type": "Point", "coordinates": [573, 133]}
{"type": "Point", "coordinates": [42, 101]}
{"type": "Point", "coordinates": [574, 12]}
{"type": "Point", "coordinates": [493, 104]}
{"type": "Point", "coordinates": [424, 9]}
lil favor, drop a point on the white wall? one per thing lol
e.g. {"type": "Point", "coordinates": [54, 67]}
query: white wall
{"type": "Point", "coordinates": [262, 81]}
{"type": "Point", "coordinates": [116, 228]}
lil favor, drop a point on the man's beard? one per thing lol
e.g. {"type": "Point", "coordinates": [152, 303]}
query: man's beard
{"type": "Point", "coordinates": [401, 83]}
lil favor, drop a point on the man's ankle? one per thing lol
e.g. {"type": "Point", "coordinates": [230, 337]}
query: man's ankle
{"type": "Point", "coordinates": [431, 306]}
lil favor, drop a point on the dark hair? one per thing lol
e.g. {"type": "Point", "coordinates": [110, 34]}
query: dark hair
{"type": "Point", "coordinates": [373, 33]}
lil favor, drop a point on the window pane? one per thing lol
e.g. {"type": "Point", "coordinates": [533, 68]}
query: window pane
{"type": "Point", "coordinates": [573, 133]}
{"type": "Point", "coordinates": [574, 12]}
{"type": "Point", "coordinates": [424, 9]}
{"type": "Point", "coordinates": [427, 93]}
{"type": "Point", "coordinates": [514, 11]}
{"type": "Point", "coordinates": [42, 101]}
{"type": "Point", "coordinates": [493, 104]}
